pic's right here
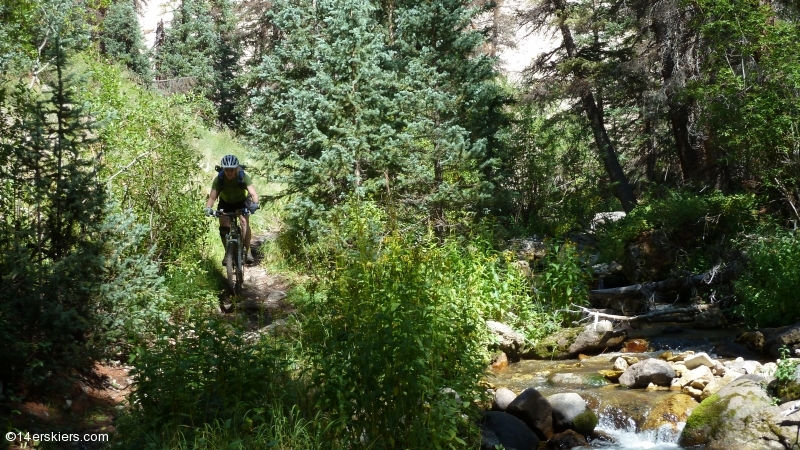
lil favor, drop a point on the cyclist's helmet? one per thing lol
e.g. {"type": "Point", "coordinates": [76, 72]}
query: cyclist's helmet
{"type": "Point", "coordinates": [229, 162]}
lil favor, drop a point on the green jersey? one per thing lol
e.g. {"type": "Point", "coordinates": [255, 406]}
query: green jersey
{"type": "Point", "coordinates": [231, 191]}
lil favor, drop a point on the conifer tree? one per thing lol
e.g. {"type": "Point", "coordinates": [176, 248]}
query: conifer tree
{"type": "Point", "coordinates": [50, 211]}
{"type": "Point", "coordinates": [353, 106]}
{"type": "Point", "coordinates": [122, 39]}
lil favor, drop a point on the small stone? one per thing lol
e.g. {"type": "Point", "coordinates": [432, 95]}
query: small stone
{"type": "Point", "coordinates": [696, 393]}
{"type": "Point", "coordinates": [700, 359]}
{"type": "Point", "coordinates": [611, 375]}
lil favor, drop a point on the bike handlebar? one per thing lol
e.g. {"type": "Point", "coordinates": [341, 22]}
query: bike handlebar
{"type": "Point", "coordinates": [236, 212]}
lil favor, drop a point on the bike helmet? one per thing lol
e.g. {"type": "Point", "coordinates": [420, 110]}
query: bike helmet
{"type": "Point", "coordinates": [229, 162]}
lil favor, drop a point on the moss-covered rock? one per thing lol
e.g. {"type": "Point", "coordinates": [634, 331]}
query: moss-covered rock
{"type": "Point", "coordinates": [726, 419]}
{"type": "Point", "coordinates": [585, 422]}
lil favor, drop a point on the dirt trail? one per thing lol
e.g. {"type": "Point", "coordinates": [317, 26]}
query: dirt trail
{"type": "Point", "coordinates": [87, 410]}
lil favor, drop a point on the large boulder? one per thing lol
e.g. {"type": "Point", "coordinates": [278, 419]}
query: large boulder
{"type": "Point", "coordinates": [643, 373]}
{"type": "Point", "coordinates": [510, 431]}
{"type": "Point", "coordinates": [507, 340]}
{"type": "Point", "coordinates": [570, 342]}
{"type": "Point", "coordinates": [733, 418]}
{"type": "Point", "coordinates": [667, 416]}
{"type": "Point", "coordinates": [571, 413]}
{"type": "Point", "coordinates": [784, 337]}
{"type": "Point", "coordinates": [533, 408]}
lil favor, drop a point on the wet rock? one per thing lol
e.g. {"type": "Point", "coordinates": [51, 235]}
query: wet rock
{"type": "Point", "coordinates": [489, 440]}
{"type": "Point", "coordinates": [620, 364]}
{"type": "Point", "coordinates": [507, 340]}
{"type": "Point", "coordinates": [577, 380]}
{"type": "Point", "coordinates": [570, 412]}
{"type": "Point", "coordinates": [499, 362]}
{"type": "Point", "coordinates": [700, 359]}
{"type": "Point", "coordinates": [648, 371]}
{"type": "Point", "coordinates": [666, 416]}
{"type": "Point", "coordinates": [510, 431]}
{"type": "Point", "coordinates": [754, 340]}
{"type": "Point", "coordinates": [636, 346]}
{"type": "Point", "coordinates": [570, 342]}
{"type": "Point", "coordinates": [596, 337]}
{"type": "Point", "coordinates": [786, 336]}
{"type": "Point", "coordinates": [724, 420]}
{"type": "Point", "coordinates": [566, 440]}
{"type": "Point", "coordinates": [535, 411]}
{"type": "Point", "coordinates": [669, 356]}
{"type": "Point", "coordinates": [611, 375]}
{"type": "Point", "coordinates": [502, 398]}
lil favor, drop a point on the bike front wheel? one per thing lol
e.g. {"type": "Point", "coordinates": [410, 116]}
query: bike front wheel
{"type": "Point", "coordinates": [233, 266]}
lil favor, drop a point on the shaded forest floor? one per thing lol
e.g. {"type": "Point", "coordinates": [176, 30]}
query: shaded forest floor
{"type": "Point", "coordinates": [93, 410]}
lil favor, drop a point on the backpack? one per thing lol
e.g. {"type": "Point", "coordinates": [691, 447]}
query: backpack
{"type": "Point", "coordinates": [221, 176]}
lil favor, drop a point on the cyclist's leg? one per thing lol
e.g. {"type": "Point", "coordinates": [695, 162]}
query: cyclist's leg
{"type": "Point", "coordinates": [245, 220]}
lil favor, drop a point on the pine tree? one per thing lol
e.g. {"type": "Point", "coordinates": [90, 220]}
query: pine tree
{"type": "Point", "coordinates": [50, 213]}
{"type": "Point", "coordinates": [354, 107]}
{"type": "Point", "coordinates": [189, 45]}
{"type": "Point", "coordinates": [122, 39]}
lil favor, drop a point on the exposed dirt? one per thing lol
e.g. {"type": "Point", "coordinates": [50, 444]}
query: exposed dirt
{"type": "Point", "coordinates": [89, 412]}
{"type": "Point", "coordinates": [80, 419]}
{"type": "Point", "coordinates": [263, 297]}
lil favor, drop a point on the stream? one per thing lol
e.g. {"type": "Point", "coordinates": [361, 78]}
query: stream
{"type": "Point", "coordinates": [623, 413]}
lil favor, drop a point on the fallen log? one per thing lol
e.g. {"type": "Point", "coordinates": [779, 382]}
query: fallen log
{"type": "Point", "coordinates": [711, 278]}
{"type": "Point", "coordinates": [685, 314]}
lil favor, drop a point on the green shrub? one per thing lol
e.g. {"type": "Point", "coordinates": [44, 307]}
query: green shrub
{"type": "Point", "coordinates": [699, 226]}
{"type": "Point", "coordinates": [204, 374]}
{"type": "Point", "coordinates": [562, 281]}
{"type": "Point", "coordinates": [767, 291]}
{"type": "Point", "coordinates": [389, 329]}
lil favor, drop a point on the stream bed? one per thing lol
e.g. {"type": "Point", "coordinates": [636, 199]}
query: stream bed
{"type": "Point", "coordinates": [624, 414]}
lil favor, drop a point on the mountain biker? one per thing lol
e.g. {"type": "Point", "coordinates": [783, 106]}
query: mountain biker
{"type": "Point", "coordinates": [236, 191]}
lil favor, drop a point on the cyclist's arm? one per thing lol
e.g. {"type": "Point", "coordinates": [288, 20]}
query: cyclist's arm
{"type": "Point", "coordinates": [252, 190]}
{"type": "Point", "coordinates": [212, 197]}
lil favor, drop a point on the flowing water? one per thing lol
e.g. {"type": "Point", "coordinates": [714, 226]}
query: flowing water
{"type": "Point", "coordinates": [624, 414]}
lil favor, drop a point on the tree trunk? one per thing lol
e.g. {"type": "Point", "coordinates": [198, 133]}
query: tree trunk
{"type": "Point", "coordinates": [622, 189]}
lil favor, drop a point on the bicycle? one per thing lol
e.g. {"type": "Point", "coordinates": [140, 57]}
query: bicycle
{"type": "Point", "coordinates": [234, 250]}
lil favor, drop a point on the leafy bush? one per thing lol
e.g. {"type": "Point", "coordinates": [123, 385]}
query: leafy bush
{"type": "Point", "coordinates": [767, 291]}
{"type": "Point", "coordinates": [699, 226]}
{"type": "Point", "coordinates": [562, 281]}
{"type": "Point", "coordinates": [395, 318]}
{"type": "Point", "coordinates": [204, 374]}
{"type": "Point", "coordinates": [388, 330]}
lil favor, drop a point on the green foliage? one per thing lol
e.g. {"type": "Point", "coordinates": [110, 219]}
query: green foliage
{"type": "Point", "coordinates": [122, 40]}
{"type": "Point", "coordinates": [786, 367]}
{"type": "Point", "coordinates": [51, 209]}
{"type": "Point", "coordinates": [767, 291]}
{"type": "Point", "coordinates": [200, 53]}
{"type": "Point", "coordinates": [207, 374]}
{"type": "Point", "coordinates": [149, 164]}
{"type": "Point", "coordinates": [701, 226]}
{"type": "Point", "coordinates": [556, 181]}
{"type": "Point", "coordinates": [394, 320]}
{"type": "Point", "coordinates": [562, 281]}
{"type": "Point", "coordinates": [748, 93]}
{"type": "Point", "coordinates": [351, 107]}
{"type": "Point", "coordinates": [133, 299]}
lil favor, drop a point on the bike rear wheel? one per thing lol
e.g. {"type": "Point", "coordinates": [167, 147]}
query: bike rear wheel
{"type": "Point", "coordinates": [233, 266]}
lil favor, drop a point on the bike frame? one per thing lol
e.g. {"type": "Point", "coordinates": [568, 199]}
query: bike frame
{"type": "Point", "coordinates": [234, 249]}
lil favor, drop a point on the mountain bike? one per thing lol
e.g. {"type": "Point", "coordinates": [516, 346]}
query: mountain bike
{"type": "Point", "coordinates": [234, 250]}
